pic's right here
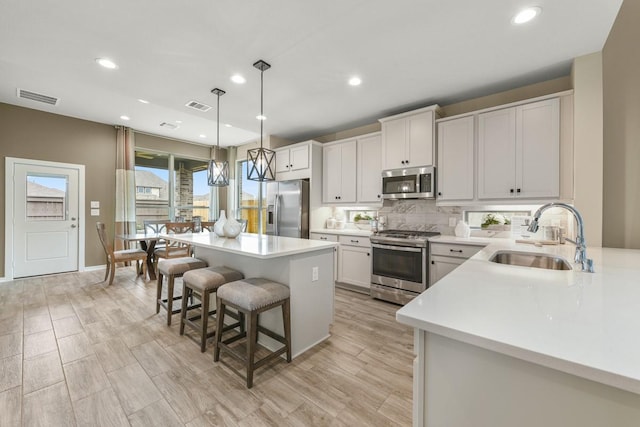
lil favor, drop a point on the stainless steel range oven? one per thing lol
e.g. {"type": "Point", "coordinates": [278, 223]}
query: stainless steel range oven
{"type": "Point", "coordinates": [399, 267]}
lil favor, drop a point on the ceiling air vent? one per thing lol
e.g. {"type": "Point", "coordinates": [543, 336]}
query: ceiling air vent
{"type": "Point", "coordinates": [198, 106]}
{"type": "Point", "coordinates": [167, 125]}
{"type": "Point", "coordinates": [38, 97]}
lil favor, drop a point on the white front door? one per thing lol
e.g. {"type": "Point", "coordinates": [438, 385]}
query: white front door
{"type": "Point", "coordinates": [45, 218]}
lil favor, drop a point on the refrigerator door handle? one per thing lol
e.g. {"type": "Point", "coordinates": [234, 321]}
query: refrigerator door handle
{"type": "Point", "coordinates": [276, 215]}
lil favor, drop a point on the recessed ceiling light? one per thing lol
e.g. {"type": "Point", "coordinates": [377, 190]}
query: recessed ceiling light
{"type": "Point", "coordinates": [228, 125]}
{"type": "Point", "coordinates": [237, 78]}
{"type": "Point", "coordinates": [526, 15]}
{"type": "Point", "coordinates": [178, 121]}
{"type": "Point", "coordinates": [107, 63]}
{"type": "Point", "coordinates": [355, 81]}
{"type": "Point", "coordinates": [125, 117]}
{"type": "Point", "coordinates": [260, 117]}
{"type": "Point", "coordinates": [203, 136]}
{"type": "Point", "coordinates": [144, 101]}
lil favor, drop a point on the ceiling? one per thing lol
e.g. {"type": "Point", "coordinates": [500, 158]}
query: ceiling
{"type": "Point", "coordinates": [408, 53]}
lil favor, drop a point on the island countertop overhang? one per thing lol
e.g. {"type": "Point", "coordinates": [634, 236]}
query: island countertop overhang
{"type": "Point", "coordinates": [260, 246]}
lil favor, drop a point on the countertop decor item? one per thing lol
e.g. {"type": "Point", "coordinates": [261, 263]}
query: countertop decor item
{"type": "Point", "coordinates": [462, 229]}
{"type": "Point", "coordinates": [218, 171]}
{"type": "Point", "coordinates": [218, 228]}
{"type": "Point", "coordinates": [232, 228]}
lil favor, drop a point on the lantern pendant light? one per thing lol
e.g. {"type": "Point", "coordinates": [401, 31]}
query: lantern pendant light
{"type": "Point", "coordinates": [218, 171]}
{"type": "Point", "coordinates": [260, 166]}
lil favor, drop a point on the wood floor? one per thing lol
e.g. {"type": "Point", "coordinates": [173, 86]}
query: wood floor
{"type": "Point", "coordinates": [74, 352]}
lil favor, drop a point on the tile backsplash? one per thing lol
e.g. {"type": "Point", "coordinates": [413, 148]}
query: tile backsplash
{"type": "Point", "coordinates": [419, 214]}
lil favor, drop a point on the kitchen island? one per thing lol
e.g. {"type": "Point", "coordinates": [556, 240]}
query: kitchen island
{"type": "Point", "coordinates": [503, 345]}
{"type": "Point", "coordinates": [306, 266]}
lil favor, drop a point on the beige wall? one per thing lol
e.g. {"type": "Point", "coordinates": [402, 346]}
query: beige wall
{"type": "Point", "coordinates": [588, 138]}
{"type": "Point", "coordinates": [621, 84]}
{"type": "Point", "coordinates": [38, 135]}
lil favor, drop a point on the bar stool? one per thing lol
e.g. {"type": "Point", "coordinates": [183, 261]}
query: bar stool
{"type": "Point", "coordinates": [200, 283]}
{"type": "Point", "coordinates": [252, 297]}
{"type": "Point", "coordinates": [172, 268]}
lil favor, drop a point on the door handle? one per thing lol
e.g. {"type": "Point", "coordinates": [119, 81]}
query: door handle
{"type": "Point", "coordinates": [73, 219]}
{"type": "Point", "coordinates": [73, 226]}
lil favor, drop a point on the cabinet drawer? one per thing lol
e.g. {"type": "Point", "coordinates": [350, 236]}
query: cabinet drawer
{"type": "Point", "coordinates": [451, 249]}
{"type": "Point", "coordinates": [325, 237]}
{"type": "Point", "coordinates": [354, 241]}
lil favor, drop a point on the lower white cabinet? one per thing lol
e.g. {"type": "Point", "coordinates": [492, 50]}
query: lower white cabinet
{"type": "Point", "coordinates": [354, 261]}
{"type": "Point", "coordinates": [446, 257]}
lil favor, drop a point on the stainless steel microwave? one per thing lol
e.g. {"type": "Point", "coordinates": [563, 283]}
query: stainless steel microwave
{"type": "Point", "coordinates": [410, 183]}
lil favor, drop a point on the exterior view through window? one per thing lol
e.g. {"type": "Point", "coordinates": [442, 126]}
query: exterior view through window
{"type": "Point", "coordinates": [248, 199]}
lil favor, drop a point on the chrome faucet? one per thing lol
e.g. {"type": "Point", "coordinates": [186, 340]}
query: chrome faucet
{"type": "Point", "coordinates": [581, 246]}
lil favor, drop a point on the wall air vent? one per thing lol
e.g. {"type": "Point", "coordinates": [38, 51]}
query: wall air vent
{"type": "Point", "coordinates": [198, 106]}
{"type": "Point", "coordinates": [167, 125]}
{"type": "Point", "coordinates": [38, 97]}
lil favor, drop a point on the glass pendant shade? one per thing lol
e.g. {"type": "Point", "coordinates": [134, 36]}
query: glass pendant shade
{"type": "Point", "coordinates": [218, 171]}
{"type": "Point", "coordinates": [261, 164]}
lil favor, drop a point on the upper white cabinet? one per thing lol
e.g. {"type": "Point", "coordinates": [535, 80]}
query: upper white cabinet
{"type": "Point", "coordinates": [369, 168]}
{"type": "Point", "coordinates": [455, 159]}
{"type": "Point", "coordinates": [293, 162]}
{"type": "Point", "coordinates": [519, 151]}
{"type": "Point", "coordinates": [339, 172]}
{"type": "Point", "coordinates": [408, 139]}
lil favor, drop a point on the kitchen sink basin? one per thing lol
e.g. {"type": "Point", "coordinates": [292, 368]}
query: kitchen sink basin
{"type": "Point", "coordinates": [526, 259]}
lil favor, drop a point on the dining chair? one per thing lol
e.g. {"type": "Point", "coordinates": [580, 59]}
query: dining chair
{"type": "Point", "coordinates": [125, 255]}
{"type": "Point", "coordinates": [173, 249]}
{"type": "Point", "coordinates": [207, 225]}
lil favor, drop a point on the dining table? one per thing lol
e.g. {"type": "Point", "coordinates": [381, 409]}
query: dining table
{"type": "Point", "coordinates": [147, 243]}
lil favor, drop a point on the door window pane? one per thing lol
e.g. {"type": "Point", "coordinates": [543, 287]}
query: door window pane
{"type": "Point", "coordinates": [47, 197]}
{"type": "Point", "coordinates": [248, 192]}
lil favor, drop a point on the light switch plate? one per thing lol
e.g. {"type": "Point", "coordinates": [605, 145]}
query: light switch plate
{"type": "Point", "coordinates": [95, 204]}
{"type": "Point", "coordinates": [95, 212]}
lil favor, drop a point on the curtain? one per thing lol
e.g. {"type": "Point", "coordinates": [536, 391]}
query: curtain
{"type": "Point", "coordinates": [125, 184]}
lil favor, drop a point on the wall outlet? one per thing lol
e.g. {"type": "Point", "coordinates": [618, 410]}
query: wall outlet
{"type": "Point", "coordinates": [314, 274]}
{"type": "Point", "coordinates": [453, 221]}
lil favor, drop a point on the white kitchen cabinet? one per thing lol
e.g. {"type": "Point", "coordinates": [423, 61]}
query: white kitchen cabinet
{"type": "Point", "coordinates": [456, 159]}
{"type": "Point", "coordinates": [323, 236]}
{"type": "Point", "coordinates": [369, 168]}
{"type": "Point", "coordinates": [354, 261]}
{"type": "Point", "coordinates": [339, 172]}
{"type": "Point", "coordinates": [408, 139]}
{"type": "Point", "coordinates": [292, 162]}
{"type": "Point", "coordinates": [446, 257]}
{"type": "Point", "coordinates": [519, 151]}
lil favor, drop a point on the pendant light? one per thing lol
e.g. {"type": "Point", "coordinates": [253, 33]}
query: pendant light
{"type": "Point", "coordinates": [218, 171]}
{"type": "Point", "coordinates": [260, 166]}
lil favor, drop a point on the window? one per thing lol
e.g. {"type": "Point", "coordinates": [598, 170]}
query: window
{"type": "Point", "coordinates": [248, 192]}
{"type": "Point", "coordinates": [171, 188]}
{"type": "Point", "coordinates": [483, 219]}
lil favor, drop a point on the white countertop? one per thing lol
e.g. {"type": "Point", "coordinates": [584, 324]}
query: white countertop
{"type": "Point", "coordinates": [586, 324]}
{"type": "Point", "coordinates": [475, 241]}
{"type": "Point", "coordinates": [343, 232]}
{"type": "Point", "coordinates": [253, 245]}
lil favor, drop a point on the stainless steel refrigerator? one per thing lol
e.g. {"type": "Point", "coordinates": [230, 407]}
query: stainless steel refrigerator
{"type": "Point", "coordinates": [288, 208]}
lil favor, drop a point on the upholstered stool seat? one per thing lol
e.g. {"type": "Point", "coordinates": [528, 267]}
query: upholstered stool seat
{"type": "Point", "coordinates": [251, 297]}
{"type": "Point", "coordinates": [201, 283]}
{"type": "Point", "coordinates": [172, 268]}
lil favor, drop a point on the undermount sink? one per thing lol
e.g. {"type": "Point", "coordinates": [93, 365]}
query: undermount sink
{"type": "Point", "coordinates": [526, 259]}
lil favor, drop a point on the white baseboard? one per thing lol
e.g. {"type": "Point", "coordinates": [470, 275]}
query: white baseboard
{"type": "Point", "coordinates": [95, 268]}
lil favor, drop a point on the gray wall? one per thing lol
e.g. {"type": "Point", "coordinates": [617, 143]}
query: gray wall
{"type": "Point", "coordinates": [621, 88]}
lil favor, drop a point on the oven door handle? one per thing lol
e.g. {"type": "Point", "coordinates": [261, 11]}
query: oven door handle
{"type": "Point", "coordinates": [397, 248]}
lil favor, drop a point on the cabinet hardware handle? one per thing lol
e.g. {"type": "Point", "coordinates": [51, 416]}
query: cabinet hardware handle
{"type": "Point", "coordinates": [378, 196]}
{"type": "Point", "coordinates": [290, 165]}
{"type": "Point", "coordinates": [402, 162]}
{"type": "Point", "coordinates": [368, 254]}
{"type": "Point", "coordinates": [511, 190]}
{"type": "Point", "coordinates": [456, 250]}
{"type": "Point", "coordinates": [355, 241]}
{"type": "Point", "coordinates": [323, 238]}
{"type": "Point", "coordinates": [439, 193]}
{"type": "Point", "coordinates": [518, 190]}
{"type": "Point", "coordinates": [433, 262]}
